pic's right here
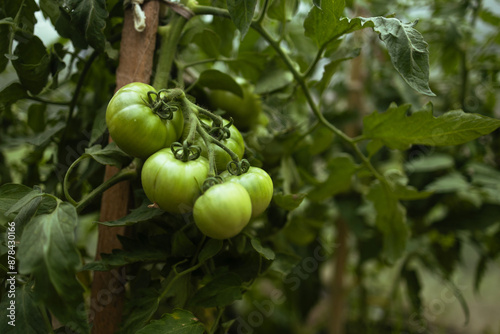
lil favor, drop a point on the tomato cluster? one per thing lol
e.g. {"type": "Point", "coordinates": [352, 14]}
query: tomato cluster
{"type": "Point", "coordinates": [147, 124]}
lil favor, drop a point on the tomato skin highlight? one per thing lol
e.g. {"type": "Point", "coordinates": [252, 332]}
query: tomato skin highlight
{"type": "Point", "coordinates": [133, 125]}
{"type": "Point", "coordinates": [223, 210]}
{"type": "Point", "coordinates": [259, 186]}
{"type": "Point", "coordinates": [173, 184]}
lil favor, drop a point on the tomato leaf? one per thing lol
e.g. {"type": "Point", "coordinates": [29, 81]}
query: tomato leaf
{"type": "Point", "coordinates": [430, 163]}
{"type": "Point", "coordinates": [330, 68]}
{"type": "Point", "coordinates": [121, 257]}
{"type": "Point", "coordinates": [321, 24]}
{"type": "Point", "coordinates": [28, 317]}
{"type": "Point", "coordinates": [390, 220]}
{"type": "Point", "coordinates": [209, 42]}
{"type": "Point", "coordinates": [109, 155]}
{"type": "Point", "coordinates": [4, 45]}
{"type": "Point", "coordinates": [141, 214]}
{"type": "Point", "coordinates": [340, 172]}
{"type": "Point", "coordinates": [407, 49]}
{"type": "Point", "coordinates": [177, 322]}
{"type": "Point", "coordinates": [141, 308]}
{"type": "Point", "coordinates": [90, 18]}
{"type": "Point", "coordinates": [12, 93]}
{"type": "Point", "coordinates": [215, 79]}
{"type": "Point", "coordinates": [210, 249]}
{"type": "Point", "coordinates": [32, 64]}
{"type": "Point", "coordinates": [10, 194]}
{"type": "Point", "coordinates": [222, 290]}
{"type": "Point", "coordinates": [241, 12]}
{"type": "Point", "coordinates": [47, 251]}
{"type": "Point", "coordinates": [283, 10]}
{"type": "Point", "coordinates": [266, 252]}
{"type": "Point", "coordinates": [288, 201]}
{"type": "Point", "coordinates": [43, 137]}
{"type": "Point", "coordinates": [398, 131]}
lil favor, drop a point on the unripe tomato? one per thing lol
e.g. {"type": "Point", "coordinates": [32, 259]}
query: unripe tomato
{"type": "Point", "coordinates": [223, 210]}
{"type": "Point", "coordinates": [245, 111]}
{"type": "Point", "coordinates": [135, 127]}
{"type": "Point", "coordinates": [173, 184]}
{"type": "Point", "coordinates": [259, 186]}
{"type": "Point", "coordinates": [235, 143]}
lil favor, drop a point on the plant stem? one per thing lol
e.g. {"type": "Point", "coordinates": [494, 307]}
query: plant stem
{"type": "Point", "coordinates": [124, 174]}
{"type": "Point", "coordinates": [38, 99]}
{"type": "Point", "coordinates": [66, 177]}
{"type": "Point", "coordinates": [177, 276]}
{"type": "Point", "coordinates": [170, 39]}
{"type": "Point", "coordinates": [46, 320]}
{"type": "Point", "coordinates": [76, 94]}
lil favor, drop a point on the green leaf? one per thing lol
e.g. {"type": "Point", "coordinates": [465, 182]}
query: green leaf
{"type": "Point", "coordinates": [321, 24]}
{"type": "Point", "coordinates": [10, 194]}
{"type": "Point", "coordinates": [13, 93]}
{"type": "Point", "coordinates": [330, 68]}
{"type": "Point", "coordinates": [267, 253]}
{"type": "Point", "coordinates": [222, 290]}
{"type": "Point", "coordinates": [209, 42]}
{"type": "Point", "coordinates": [481, 267]}
{"type": "Point", "coordinates": [241, 12]}
{"type": "Point", "coordinates": [399, 131]}
{"type": "Point", "coordinates": [43, 137]}
{"type": "Point", "coordinates": [215, 79]}
{"type": "Point", "coordinates": [182, 246]}
{"type": "Point", "coordinates": [90, 18]}
{"type": "Point", "coordinates": [283, 10]}
{"type": "Point", "coordinates": [99, 126]}
{"type": "Point", "coordinates": [50, 9]}
{"type": "Point", "coordinates": [288, 201]}
{"type": "Point", "coordinates": [47, 251]}
{"type": "Point", "coordinates": [32, 64]}
{"type": "Point", "coordinates": [430, 163]}
{"type": "Point", "coordinates": [210, 249]}
{"type": "Point", "coordinates": [4, 45]}
{"type": "Point", "coordinates": [272, 80]}
{"type": "Point", "coordinates": [37, 115]}
{"type": "Point", "coordinates": [408, 193]}
{"type": "Point", "coordinates": [120, 257]}
{"type": "Point", "coordinates": [340, 172]}
{"type": "Point", "coordinates": [28, 318]}
{"type": "Point", "coordinates": [317, 3]}
{"type": "Point", "coordinates": [390, 220]}
{"type": "Point", "coordinates": [407, 49]}
{"type": "Point", "coordinates": [25, 208]}
{"type": "Point", "coordinates": [109, 155]}
{"type": "Point", "coordinates": [26, 20]}
{"type": "Point", "coordinates": [139, 215]}
{"type": "Point", "coordinates": [284, 263]}
{"type": "Point", "coordinates": [141, 307]}
{"type": "Point", "coordinates": [177, 322]}
{"type": "Point", "coordinates": [452, 182]}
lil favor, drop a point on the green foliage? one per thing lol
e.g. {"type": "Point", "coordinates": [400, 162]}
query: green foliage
{"type": "Point", "coordinates": [416, 189]}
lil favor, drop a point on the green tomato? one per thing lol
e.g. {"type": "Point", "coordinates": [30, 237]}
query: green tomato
{"type": "Point", "coordinates": [245, 111]}
{"type": "Point", "coordinates": [235, 143]}
{"type": "Point", "coordinates": [135, 127]}
{"type": "Point", "coordinates": [173, 184]}
{"type": "Point", "coordinates": [259, 186]}
{"type": "Point", "coordinates": [223, 210]}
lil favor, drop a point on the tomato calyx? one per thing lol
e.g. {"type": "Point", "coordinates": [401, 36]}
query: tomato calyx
{"type": "Point", "coordinates": [220, 131]}
{"type": "Point", "coordinates": [185, 152]}
{"type": "Point", "coordinates": [163, 103]}
{"type": "Point", "coordinates": [238, 167]}
{"type": "Point", "coordinates": [210, 182]}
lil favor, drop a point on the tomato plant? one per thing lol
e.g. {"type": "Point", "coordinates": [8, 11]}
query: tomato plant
{"type": "Point", "coordinates": [140, 122]}
{"type": "Point", "coordinates": [223, 210]}
{"type": "Point", "coordinates": [356, 192]}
